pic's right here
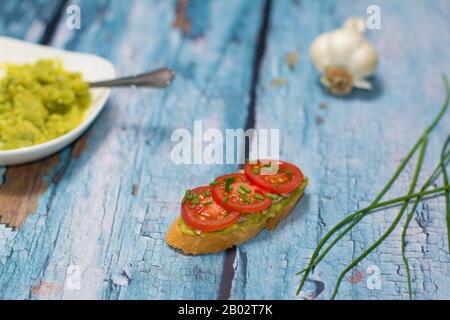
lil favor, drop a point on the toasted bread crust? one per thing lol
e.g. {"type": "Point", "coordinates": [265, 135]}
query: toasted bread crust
{"type": "Point", "coordinates": [274, 222]}
{"type": "Point", "coordinates": [218, 242]}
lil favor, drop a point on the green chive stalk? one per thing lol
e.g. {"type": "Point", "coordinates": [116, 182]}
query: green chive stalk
{"type": "Point", "coordinates": [441, 166]}
{"type": "Point", "coordinates": [383, 205]}
{"type": "Point", "coordinates": [360, 215]}
{"type": "Point", "coordinates": [394, 224]}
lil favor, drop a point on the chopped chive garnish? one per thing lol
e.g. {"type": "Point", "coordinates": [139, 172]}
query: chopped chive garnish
{"type": "Point", "coordinates": [272, 196]}
{"type": "Point", "coordinates": [214, 183]}
{"type": "Point", "coordinates": [229, 180]}
{"type": "Point", "coordinates": [207, 193]}
{"type": "Point", "coordinates": [245, 189]}
{"type": "Point", "coordinates": [187, 196]}
{"type": "Point", "coordinates": [225, 199]}
{"type": "Point", "coordinates": [242, 193]}
{"type": "Point", "coordinates": [258, 196]}
{"type": "Point", "coordinates": [256, 170]}
{"type": "Point", "coordinates": [195, 201]}
{"type": "Point", "coordinates": [267, 165]}
{"type": "Point", "coordinates": [208, 203]}
{"type": "Point", "coordinates": [246, 199]}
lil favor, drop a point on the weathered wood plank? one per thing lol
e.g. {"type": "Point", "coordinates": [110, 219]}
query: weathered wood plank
{"type": "Point", "coordinates": [107, 202]}
{"type": "Point", "coordinates": [27, 19]}
{"type": "Point", "coordinates": [106, 212]}
{"type": "Point", "coordinates": [21, 191]}
{"type": "Point", "coordinates": [349, 149]}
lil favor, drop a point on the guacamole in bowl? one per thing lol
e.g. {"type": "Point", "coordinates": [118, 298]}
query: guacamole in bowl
{"type": "Point", "coordinates": [39, 102]}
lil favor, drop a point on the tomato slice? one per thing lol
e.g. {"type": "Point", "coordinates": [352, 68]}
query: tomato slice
{"type": "Point", "coordinates": [275, 176]}
{"type": "Point", "coordinates": [201, 212]}
{"type": "Point", "coordinates": [235, 192]}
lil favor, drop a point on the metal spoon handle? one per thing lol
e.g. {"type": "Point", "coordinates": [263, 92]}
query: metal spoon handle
{"type": "Point", "coordinates": [161, 78]}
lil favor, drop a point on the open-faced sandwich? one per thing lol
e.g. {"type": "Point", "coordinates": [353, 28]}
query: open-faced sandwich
{"type": "Point", "coordinates": [236, 207]}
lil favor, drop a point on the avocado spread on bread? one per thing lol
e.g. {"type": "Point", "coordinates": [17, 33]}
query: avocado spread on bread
{"type": "Point", "coordinates": [248, 220]}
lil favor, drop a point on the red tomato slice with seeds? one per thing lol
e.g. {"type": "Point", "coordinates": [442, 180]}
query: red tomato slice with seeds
{"type": "Point", "coordinates": [235, 192]}
{"type": "Point", "coordinates": [275, 176]}
{"type": "Point", "coordinates": [201, 212]}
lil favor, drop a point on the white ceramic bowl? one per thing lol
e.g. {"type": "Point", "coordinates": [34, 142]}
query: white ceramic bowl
{"type": "Point", "coordinates": [93, 68]}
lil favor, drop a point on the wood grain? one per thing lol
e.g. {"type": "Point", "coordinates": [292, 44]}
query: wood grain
{"type": "Point", "coordinates": [90, 219]}
{"type": "Point", "coordinates": [102, 208]}
{"type": "Point", "coordinates": [27, 19]}
{"type": "Point", "coordinates": [21, 191]}
{"type": "Point", "coordinates": [351, 152]}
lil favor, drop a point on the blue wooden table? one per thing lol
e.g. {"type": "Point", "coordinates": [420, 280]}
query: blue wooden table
{"type": "Point", "coordinates": [93, 218]}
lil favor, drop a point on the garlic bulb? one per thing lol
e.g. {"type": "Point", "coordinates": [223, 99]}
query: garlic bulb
{"type": "Point", "coordinates": [345, 58]}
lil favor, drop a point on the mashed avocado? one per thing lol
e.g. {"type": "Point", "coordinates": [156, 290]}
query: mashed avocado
{"type": "Point", "coordinates": [39, 102]}
{"type": "Point", "coordinates": [249, 220]}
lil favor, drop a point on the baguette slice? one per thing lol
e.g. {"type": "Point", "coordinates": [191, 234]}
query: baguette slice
{"type": "Point", "coordinates": [219, 241]}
